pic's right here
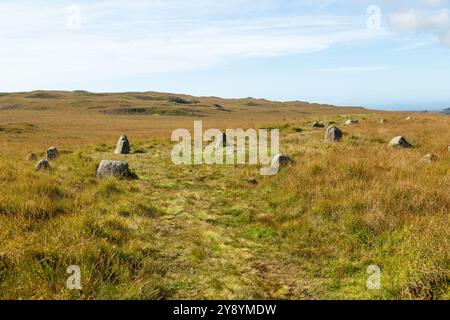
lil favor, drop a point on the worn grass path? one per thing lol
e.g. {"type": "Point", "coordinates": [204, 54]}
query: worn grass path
{"type": "Point", "coordinates": [206, 233]}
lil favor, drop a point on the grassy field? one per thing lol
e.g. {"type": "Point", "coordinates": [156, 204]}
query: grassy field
{"type": "Point", "coordinates": [219, 232]}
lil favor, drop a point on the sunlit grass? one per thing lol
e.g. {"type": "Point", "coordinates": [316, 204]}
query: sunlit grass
{"type": "Point", "coordinates": [224, 232]}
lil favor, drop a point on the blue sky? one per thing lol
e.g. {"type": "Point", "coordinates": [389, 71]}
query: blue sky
{"type": "Point", "coordinates": [384, 54]}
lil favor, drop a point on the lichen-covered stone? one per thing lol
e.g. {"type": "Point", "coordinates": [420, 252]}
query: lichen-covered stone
{"type": "Point", "coordinates": [52, 153]}
{"type": "Point", "coordinates": [400, 142]}
{"type": "Point", "coordinates": [42, 165]}
{"type": "Point", "coordinates": [123, 145]}
{"type": "Point", "coordinates": [111, 168]}
{"type": "Point", "coordinates": [333, 134]}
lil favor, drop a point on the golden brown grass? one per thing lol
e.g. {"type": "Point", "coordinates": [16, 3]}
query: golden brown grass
{"type": "Point", "coordinates": [210, 232]}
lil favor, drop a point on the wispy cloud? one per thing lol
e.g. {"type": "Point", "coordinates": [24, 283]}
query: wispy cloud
{"type": "Point", "coordinates": [420, 21]}
{"type": "Point", "coordinates": [118, 38]}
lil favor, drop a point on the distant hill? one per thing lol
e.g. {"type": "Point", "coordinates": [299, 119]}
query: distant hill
{"type": "Point", "coordinates": [446, 111]}
{"type": "Point", "coordinates": [87, 116]}
{"type": "Point", "coordinates": [157, 103]}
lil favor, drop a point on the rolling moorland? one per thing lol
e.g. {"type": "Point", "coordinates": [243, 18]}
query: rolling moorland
{"type": "Point", "coordinates": [220, 232]}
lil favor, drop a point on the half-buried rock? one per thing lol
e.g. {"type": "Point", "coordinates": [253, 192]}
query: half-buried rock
{"type": "Point", "coordinates": [282, 160]}
{"type": "Point", "coordinates": [350, 122]}
{"type": "Point", "coordinates": [110, 168]}
{"type": "Point", "coordinates": [42, 165]}
{"type": "Point", "coordinates": [333, 134]}
{"type": "Point", "coordinates": [123, 146]}
{"type": "Point", "coordinates": [429, 158]}
{"type": "Point", "coordinates": [318, 124]}
{"type": "Point", "coordinates": [31, 157]}
{"type": "Point", "coordinates": [52, 153]}
{"type": "Point", "coordinates": [399, 142]}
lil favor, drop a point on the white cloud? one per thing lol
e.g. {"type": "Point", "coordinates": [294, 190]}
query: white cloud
{"type": "Point", "coordinates": [119, 39]}
{"type": "Point", "coordinates": [435, 21]}
{"type": "Point", "coordinates": [420, 21]}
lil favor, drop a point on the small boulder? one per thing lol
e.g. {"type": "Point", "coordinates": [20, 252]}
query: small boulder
{"type": "Point", "coordinates": [333, 134]}
{"type": "Point", "coordinates": [282, 160]}
{"type": "Point", "coordinates": [110, 168]}
{"type": "Point", "coordinates": [31, 157]}
{"type": "Point", "coordinates": [382, 120]}
{"type": "Point", "coordinates": [318, 124]}
{"type": "Point", "coordinates": [350, 122]}
{"type": "Point", "coordinates": [52, 153]}
{"type": "Point", "coordinates": [409, 118]}
{"type": "Point", "coordinates": [429, 158]}
{"type": "Point", "coordinates": [400, 142]}
{"type": "Point", "coordinates": [123, 145]}
{"type": "Point", "coordinates": [42, 165]}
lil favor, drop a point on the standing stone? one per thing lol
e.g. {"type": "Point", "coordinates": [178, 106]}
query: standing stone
{"type": "Point", "coordinates": [222, 141]}
{"type": "Point", "coordinates": [429, 158]}
{"type": "Point", "coordinates": [333, 134]}
{"type": "Point", "coordinates": [42, 165]}
{"type": "Point", "coordinates": [31, 157]}
{"type": "Point", "coordinates": [400, 142]}
{"type": "Point", "coordinates": [52, 153]}
{"type": "Point", "coordinates": [123, 146]}
{"type": "Point", "coordinates": [382, 120]}
{"type": "Point", "coordinates": [318, 124]}
{"type": "Point", "coordinates": [110, 168]}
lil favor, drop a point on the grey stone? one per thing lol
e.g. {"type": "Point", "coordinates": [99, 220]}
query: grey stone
{"type": "Point", "coordinates": [333, 134]}
{"type": "Point", "coordinates": [283, 160]}
{"type": "Point", "coordinates": [429, 158]}
{"type": "Point", "coordinates": [123, 145]}
{"type": "Point", "coordinates": [350, 122]}
{"type": "Point", "coordinates": [111, 168]}
{"type": "Point", "coordinates": [400, 142]}
{"type": "Point", "coordinates": [318, 124]}
{"type": "Point", "coordinates": [31, 157]}
{"type": "Point", "coordinates": [42, 165]}
{"type": "Point", "coordinates": [52, 153]}
{"type": "Point", "coordinates": [382, 120]}
{"type": "Point", "coordinates": [222, 141]}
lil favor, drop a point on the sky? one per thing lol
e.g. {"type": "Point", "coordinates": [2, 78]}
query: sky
{"type": "Point", "coordinates": [388, 54]}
